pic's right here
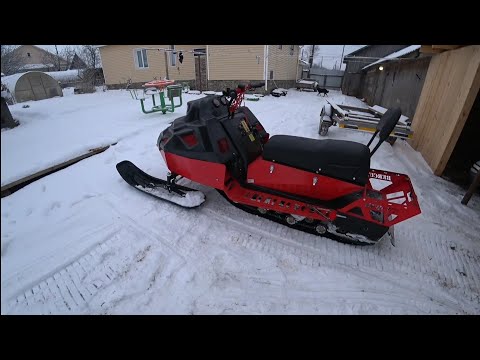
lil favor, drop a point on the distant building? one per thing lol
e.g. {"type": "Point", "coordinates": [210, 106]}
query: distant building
{"type": "Point", "coordinates": [32, 57]}
{"type": "Point", "coordinates": [386, 75]}
{"type": "Point", "coordinates": [203, 67]}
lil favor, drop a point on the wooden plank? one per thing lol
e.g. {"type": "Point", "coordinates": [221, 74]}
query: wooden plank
{"type": "Point", "coordinates": [379, 110]}
{"type": "Point", "coordinates": [470, 88]}
{"type": "Point", "coordinates": [360, 117]}
{"type": "Point", "coordinates": [337, 108]}
{"type": "Point", "coordinates": [5, 190]}
{"type": "Point", "coordinates": [420, 119]}
{"type": "Point", "coordinates": [356, 108]}
{"type": "Point", "coordinates": [448, 75]}
{"type": "Point", "coordinates": [445, 47]}
{"type": "Point", "coordinates": [449, 91]}
{"type": "Point", "coordinates": [471, 189]}
{"type": "Point", "coordinates": [427, 49]}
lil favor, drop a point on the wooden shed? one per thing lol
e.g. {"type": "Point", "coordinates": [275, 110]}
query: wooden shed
{"type": "Point", "coordinates": [446, 122]}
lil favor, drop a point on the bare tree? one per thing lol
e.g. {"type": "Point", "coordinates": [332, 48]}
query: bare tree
{"type": "Point", "coordinates": [68, 53]}
{"type": "Point", "coordinates": [91, 56]}
{"type": "Point", "coordinates": [50, 61]}
{"type": "Point", "coordinates": [61, 60]}
{"type": "Point", "coordinates": [11, 60]}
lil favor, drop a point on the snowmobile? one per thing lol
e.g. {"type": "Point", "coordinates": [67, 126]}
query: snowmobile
{"type": "Point", "coordinates": [324, 187]}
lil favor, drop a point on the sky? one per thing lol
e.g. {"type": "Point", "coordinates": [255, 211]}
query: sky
{"type": "Point", "coordinates": [329, 56]}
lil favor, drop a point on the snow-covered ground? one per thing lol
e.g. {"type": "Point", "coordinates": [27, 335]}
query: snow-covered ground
{"type": "Point", "coordinates": [82, 241]}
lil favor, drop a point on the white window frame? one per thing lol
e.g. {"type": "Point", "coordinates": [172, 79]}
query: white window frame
{"type": "Point", "coordinates": [144, 57]}
{"type": "Point", "coordinates": [173, 56]}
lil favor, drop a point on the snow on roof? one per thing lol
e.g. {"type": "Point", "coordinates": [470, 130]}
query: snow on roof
{"type": "Point", "coordinates": [395, 55]}
{"type": "Point", "coordinates": [35, 66]}
{"type": "Point", "coordinates": [354, 52]}
{"type": "Point", "coordinates": [11, 80]}
{"type": "Point", "coordinates": [66, 75]}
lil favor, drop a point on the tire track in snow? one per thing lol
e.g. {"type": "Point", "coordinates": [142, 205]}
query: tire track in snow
{"type": "Point", "coordinates": [381, 257]}
{"type": "Point", "coordinates": [310, 249]}
{"type": "Point", "coordinates": [70, 289]}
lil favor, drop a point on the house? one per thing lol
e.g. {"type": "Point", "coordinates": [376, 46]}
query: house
{"type": "Point", "coordinates": [203, 67]}
{"type": "Point", "coordinates": [360, 58]}
{"type": "Point", "coordinates": [387, 75]}
{"type": "Point", "coordinates": [31, 57]}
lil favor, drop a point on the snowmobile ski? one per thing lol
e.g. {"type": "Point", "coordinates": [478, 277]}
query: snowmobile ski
{"type": "Point", "coordinates": [158, 188]}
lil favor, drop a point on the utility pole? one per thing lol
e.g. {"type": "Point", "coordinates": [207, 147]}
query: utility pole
{"type": "Point", "coordinates": [341, 61]}
{"type": "Point", "coordinates": [58, 58]}
{"type": "Point", "coordinates": [166, 64]}
{"type": "Point", "coordinates": [311, 59]}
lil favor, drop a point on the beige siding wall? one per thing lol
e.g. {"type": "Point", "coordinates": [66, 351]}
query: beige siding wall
{"type": "Point", "coordinates": [283, 64]}
{"type": "Point", "coordinates": [37, 56]}
{"type": "Point", "coordinates": [235, 62]}
{"type": "Point", "coordinates": [118, 62]}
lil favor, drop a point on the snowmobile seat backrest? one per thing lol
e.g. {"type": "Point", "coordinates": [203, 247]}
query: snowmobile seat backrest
{"type": "Point", "coordinates": [385, 126]}
{"type": "Point", "coordinates": [340, 159]}
{"type": "Point", "coordinates": [388, 122]}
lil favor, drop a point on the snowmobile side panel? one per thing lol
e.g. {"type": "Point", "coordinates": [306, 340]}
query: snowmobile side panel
{"type": "Point", "coordinates": [296, 181]}
{"type": "Point", "coordinates": [203, 172]}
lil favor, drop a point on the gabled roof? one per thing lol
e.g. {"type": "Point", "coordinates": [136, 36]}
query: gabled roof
{"type": "Point", "coordinates": [356, 51]}
{"type": "Point", "coordinates": [42, 50]}
{"type": "Point", "coordinates": [394, 55]}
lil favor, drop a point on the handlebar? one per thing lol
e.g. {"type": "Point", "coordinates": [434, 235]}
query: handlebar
{"type": "Point", "coordinates": [236, 96]}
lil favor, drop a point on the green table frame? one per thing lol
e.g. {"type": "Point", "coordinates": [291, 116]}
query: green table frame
{"type": "Point", "coordinates": [173, 91]}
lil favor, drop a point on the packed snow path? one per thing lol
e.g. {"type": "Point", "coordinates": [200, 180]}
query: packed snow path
{"type": "Point", "coordinates": [82, 241]}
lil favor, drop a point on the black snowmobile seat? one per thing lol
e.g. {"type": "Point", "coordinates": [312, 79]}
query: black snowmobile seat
{"type": "Point", "coordinates": [341, 159]}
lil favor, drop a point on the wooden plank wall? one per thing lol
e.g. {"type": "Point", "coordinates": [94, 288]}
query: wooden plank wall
{"type": "Point", "coordinates": [450, 88]}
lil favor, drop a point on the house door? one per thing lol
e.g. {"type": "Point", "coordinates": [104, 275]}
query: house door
{"type": "Point", "coordinates": [200, 69]}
